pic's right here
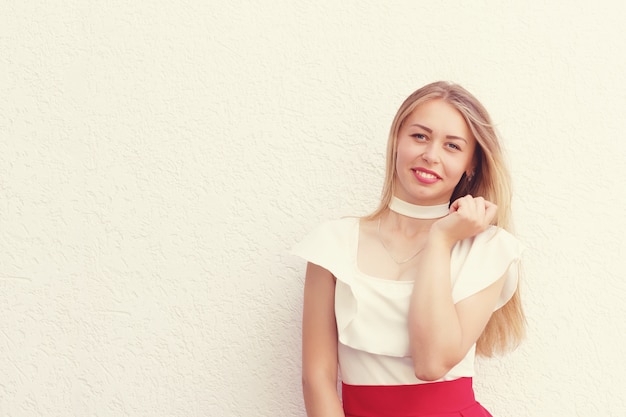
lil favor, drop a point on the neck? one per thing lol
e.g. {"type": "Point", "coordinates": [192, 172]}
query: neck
{"type": "Point", "coordinates": [418, 212]}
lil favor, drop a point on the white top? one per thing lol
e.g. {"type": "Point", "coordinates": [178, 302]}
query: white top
{"type": "Point", "coordinates": [372, 313]}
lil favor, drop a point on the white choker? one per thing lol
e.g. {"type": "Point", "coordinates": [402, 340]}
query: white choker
{"type": "Point", "coordinates": [418, 212]}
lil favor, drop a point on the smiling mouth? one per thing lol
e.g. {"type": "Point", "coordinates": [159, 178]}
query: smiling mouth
{"type": "Point", "coordinates": [425, 175]}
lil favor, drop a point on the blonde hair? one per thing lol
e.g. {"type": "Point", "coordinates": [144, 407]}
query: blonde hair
{"type": "Point", "coordinates": [491, 180]}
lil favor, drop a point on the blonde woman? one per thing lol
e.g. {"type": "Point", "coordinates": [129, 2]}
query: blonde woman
{"type": "Point", "coordinates": [402, 300]}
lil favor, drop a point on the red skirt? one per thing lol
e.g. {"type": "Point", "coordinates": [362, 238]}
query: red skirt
{"type": "Point", "coordinates": [438, 399]}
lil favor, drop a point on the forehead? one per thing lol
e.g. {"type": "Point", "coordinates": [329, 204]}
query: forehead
{"type": "Point", "coordinates": [440, 117]}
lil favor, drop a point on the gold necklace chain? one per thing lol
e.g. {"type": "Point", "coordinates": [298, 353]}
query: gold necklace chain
{"type": "Point", "coordinates": [389, 252]}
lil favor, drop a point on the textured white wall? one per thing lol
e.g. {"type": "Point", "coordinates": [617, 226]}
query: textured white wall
{"type": "Point", "coordinates": [157, 160]}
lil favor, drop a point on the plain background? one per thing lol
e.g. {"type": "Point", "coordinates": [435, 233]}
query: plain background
{"type": "Point", "coordinates": [158, 159]}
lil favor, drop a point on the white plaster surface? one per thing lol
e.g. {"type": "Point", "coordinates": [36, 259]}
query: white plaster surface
{"type": "Point", "coordinates": [158, 159]}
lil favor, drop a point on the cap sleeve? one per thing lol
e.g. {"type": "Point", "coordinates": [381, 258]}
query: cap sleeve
{"type": "Point", "coordinates": [480, 261]}
{"type": "Point", "coordinates": [328, 245]}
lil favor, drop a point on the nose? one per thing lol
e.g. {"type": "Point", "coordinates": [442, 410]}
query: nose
{"type": "Point", "coordinates": [430, 154]}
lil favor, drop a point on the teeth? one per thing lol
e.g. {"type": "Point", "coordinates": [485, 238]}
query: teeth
{"type": "Point", "coordinates": [425, 174]}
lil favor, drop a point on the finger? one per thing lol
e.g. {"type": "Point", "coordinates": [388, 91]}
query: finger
{"type": "Point", "coordinates": [455, 205]}
{"type": "Point", "coordinates": [491, 211]}
{"type": "Point", "coordinates": [489, 204]}
{"type": "Point", "coordinates": [479, 205]}
{"type": "Point", "coordinates": [471, 206]}
{"type": "Point", "coordinates": [464, 201]}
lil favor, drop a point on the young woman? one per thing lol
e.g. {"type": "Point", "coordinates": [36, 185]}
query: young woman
{"type": "Point", "coordinates": [404, 298]}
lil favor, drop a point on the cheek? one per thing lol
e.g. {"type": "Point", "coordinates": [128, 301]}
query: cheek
{"type": "Point", "coordinates": [405, 152]}
{"type": "Point", "coordinates": [402, 162]}
{"type": "Point", "coordinates": [455, 167]}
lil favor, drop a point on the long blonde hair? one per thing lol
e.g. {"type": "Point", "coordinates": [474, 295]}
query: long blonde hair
{"type": "Point", "coordinates": [506, 327]}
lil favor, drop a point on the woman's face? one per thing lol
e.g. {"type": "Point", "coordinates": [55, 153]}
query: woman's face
{"type": "Point", "coordinates": [435, 147]}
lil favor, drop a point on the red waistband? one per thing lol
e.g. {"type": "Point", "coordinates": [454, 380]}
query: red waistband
{"type": "Point", "coordinates": [409, 400]}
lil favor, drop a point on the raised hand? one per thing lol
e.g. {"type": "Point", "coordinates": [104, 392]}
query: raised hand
{"type": "Point", "coordinates": [468, 217]}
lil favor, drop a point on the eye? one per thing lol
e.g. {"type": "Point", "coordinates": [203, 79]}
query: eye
{"type": "Point", "coordinates": [453, 146]}
{"type": "Point", "coordinates": [419, 136]}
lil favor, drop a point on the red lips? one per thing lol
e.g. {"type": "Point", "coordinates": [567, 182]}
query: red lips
{"type": "Point", "coordinates": [425, 176]}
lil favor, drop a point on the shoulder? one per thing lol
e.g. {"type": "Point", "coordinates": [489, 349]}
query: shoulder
{"type": "Point", "coordinates": [491, 239]}
{"type": "Point", "coordinates": [479, 261]}
{"type": "Point", "coordinates": [340, 225]}
{"type": "Point", "coordinates": [336, 229]}
{"type": "Point", "coordinates": [329, 242]}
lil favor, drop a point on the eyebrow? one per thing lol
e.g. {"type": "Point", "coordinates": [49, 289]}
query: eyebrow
{"type": "Point", "coordinates": [429, 130]}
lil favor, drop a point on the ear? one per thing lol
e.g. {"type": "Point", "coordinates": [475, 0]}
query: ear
{"type": "Point", "coordinates": [470, 171]}
{"type": "Point", "coordinates": [471, 167]}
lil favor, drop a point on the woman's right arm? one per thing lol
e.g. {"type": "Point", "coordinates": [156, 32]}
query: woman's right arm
{"type": "Point", "coordinates": [319, 344]}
